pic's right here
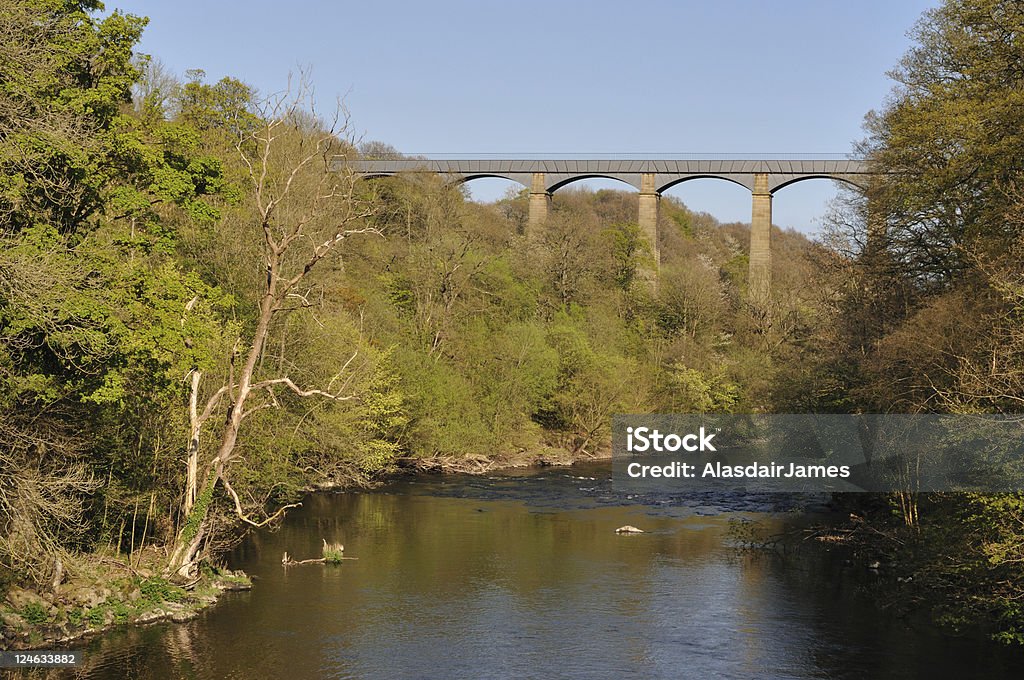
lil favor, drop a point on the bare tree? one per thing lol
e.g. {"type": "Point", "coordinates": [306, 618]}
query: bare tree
{"type": "Point", "coordinates": [43, 484]}
{"type": "Point", "coordinates": [157, 86]}
{"type": "Point", "coordinates": [305, 209]}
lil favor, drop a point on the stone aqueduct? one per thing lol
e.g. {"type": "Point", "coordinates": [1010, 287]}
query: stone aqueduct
{"type": "Point", "coordinates": [651, 177]}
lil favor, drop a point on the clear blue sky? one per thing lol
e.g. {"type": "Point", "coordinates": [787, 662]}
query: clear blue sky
{"type": "Point", "coordinates": [733, 76]}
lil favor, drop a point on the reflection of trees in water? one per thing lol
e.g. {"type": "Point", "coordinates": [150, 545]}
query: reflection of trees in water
{"type": "Point", "coordinates": [506, 586]}
{"type": "Point", "coordinates": [179, 645]}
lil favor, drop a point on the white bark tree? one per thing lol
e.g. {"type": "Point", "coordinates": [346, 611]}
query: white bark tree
{"type": "Point", "coordinates": [305, 209]}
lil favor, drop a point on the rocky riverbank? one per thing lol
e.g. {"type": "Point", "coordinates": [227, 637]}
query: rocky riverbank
{"type": "Point", "coordinates": [543, 457]}
{"type": "Point", "coordinates": [104, 593]}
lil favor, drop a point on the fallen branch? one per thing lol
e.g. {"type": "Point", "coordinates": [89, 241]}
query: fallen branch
{"type": "Point", "coordinates": [192, 584]}
{"type": "Point", "coordinates": [332, 553]}
{"type": "Point", "coordinates": [287, 561]}
{"type": "Point", "coordinates": [118, 563]}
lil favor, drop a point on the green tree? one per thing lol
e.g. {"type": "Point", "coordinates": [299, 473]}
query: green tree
{"type": "Point", "coordinates": [64, 76]}
{"type": "Point", "coordinates": [93, 339]}
{"type": "Point", "coordinates": [950, 141]}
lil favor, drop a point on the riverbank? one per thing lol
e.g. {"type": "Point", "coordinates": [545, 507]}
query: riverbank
{"type": "Point", "coordinates": [913, 575]}
{"type": "Point", "coordinates": [524, 458]}
{"type": "Point", "coordinates": [102, 593]}
{"type": "Point", "coordinates": [107, 591]}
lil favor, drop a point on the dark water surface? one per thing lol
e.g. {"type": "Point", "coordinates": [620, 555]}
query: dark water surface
{"type": "Point", "coordinates": [523, 577]}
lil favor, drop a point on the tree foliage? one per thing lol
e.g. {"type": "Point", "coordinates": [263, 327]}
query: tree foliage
{"type": "Point", "coordinates": [926, 313]}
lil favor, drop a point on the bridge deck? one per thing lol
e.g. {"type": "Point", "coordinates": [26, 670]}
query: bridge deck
{"type": "Point", "coordinates": [666, 172]}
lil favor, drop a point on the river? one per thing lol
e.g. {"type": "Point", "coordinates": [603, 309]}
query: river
{"type": "Point", "coordinates": [523, 576]}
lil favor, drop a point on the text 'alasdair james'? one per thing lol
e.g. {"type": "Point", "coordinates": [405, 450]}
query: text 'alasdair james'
{"type": "Point", "coordinates": [752, 471]}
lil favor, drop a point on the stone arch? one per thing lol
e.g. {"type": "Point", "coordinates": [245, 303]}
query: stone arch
{"type": "Point", "coordinates": [778, 182]}
{"type": "Point", "coordinates": [728, 199]}
{"type": "Point", "coordinates": [803, 202]}
{"type": "Point", "coordinates": [523, 181]}
{"type": "Point", "coordinates": [745, 181]}
{"type": "Point", "coordinates": [493, 187]}
{"type": "Point", "coordinates": [566, 181]}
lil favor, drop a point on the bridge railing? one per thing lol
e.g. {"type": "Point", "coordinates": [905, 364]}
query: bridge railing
{"type": "Point", "coordinates": [631, 156]}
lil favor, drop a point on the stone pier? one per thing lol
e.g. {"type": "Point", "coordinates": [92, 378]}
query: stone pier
{"type": "Point", "coordinates": [650, 201]}
{"type": "Point", "coordinates": [540, 205]}
{"type": "Point", "coordinates": [760, 278]}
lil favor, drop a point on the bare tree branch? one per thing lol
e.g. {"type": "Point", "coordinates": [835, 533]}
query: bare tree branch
{"type": "Point", "coordinates": [245, 518]}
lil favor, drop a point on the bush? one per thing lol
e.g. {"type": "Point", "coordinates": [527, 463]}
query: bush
{"type": "Point", "coordinates": [156, 590]}
{"type": "Point", "coordinates": [34, 613]}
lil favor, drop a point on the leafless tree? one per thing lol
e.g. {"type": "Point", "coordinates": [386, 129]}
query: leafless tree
{"type": "Point", "coordinates": [306, 203]}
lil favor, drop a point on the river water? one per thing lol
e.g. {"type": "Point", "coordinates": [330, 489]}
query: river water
{"type": "Point", "coordinates": [523, 576]}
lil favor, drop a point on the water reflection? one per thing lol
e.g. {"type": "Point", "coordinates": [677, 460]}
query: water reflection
{"type": "Point", "coordinates": [456, 580]}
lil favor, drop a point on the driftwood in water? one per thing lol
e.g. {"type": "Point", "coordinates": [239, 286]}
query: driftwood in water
{"type": "Point", "coordinates": [332, 554]}
{"type": "Point", "coordinates": [287, 561]}
{"type": "Point", "coordinates": [447, 464]}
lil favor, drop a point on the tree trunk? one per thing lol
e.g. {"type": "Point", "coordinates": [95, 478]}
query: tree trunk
{"type": "Point", "coordinates": [185, 557]}
{"type": "Point", "coordinates": [195, 425]}
{"type": "Point", "coordinates": [187, 545]}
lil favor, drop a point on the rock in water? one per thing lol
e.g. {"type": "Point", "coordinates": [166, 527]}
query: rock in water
{"type": "Point", "coordinates": [629, 529]}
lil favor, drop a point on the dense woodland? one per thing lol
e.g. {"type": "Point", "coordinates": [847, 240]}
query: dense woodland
{"type": "Point", "coordinates": [201, 317]}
